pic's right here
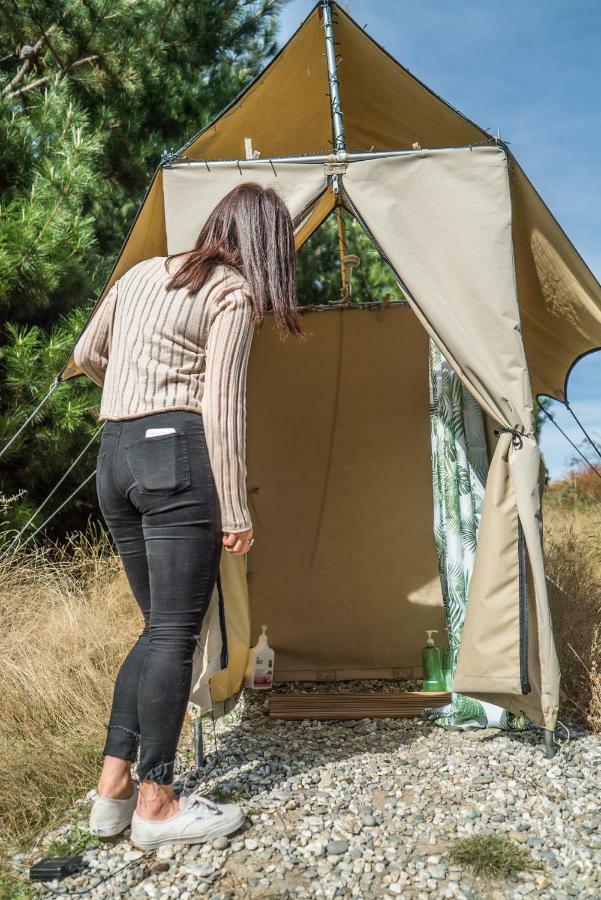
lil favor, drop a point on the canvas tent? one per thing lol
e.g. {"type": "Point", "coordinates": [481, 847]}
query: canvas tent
{"type": "Point", "coordinates": [344, 568]}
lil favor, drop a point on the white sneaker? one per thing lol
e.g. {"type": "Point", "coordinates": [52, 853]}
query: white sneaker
{"type": "Point", "coordinates": [197, 821]}
{"type": "Point", "coordinates": [110, 817]}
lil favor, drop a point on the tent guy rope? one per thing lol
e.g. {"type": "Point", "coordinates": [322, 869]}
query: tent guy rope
{"type": "Point", "coordinates": [581, 426]}
{"type": "Point", "coordinates": [58, 509]}
{"type": "Point", "coordinates": [30, 418]}
{"type": "Point", "coordinates": [34, 515]}
{"type": "Point", "coordinates": [568, 439]}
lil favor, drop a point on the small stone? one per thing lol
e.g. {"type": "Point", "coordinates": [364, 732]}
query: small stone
{"type": "Point", "coordinates": [167, 851]}
{"type": "Point", "coordinates": [518, 836]}
{"type": "Point", "coordinates": [367, 820]}
{"type": "Point", "coordinates": [336, 848]}
{"type": "Point", "coordinates": [221, 843]}
{"type": "Point", "coordinates": [438, 872]}
{"type": "Point", "coordinates": [251, 844]}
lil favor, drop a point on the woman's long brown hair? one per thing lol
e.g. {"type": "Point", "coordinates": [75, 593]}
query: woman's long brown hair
{"type": "Point", "coordinates": [250, 230]}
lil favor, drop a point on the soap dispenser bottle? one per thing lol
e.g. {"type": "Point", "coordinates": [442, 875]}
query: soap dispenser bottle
{"type": "Point", "coordinates": [433, 679]}
{"type": "Point", "coordinates": [259, 673]}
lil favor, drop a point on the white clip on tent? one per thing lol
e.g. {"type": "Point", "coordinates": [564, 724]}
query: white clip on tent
{"type": "Point", "coordinates": [344, 568]}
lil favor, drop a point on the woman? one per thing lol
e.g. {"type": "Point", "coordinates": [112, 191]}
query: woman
{"type": "Point", "coordinates": [170, 346]}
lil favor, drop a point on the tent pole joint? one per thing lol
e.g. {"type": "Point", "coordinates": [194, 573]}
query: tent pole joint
{"type": "Point", "coordinates": [168, 157]}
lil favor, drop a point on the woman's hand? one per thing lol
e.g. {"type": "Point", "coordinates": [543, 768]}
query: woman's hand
{"type": "Point", "coordinates": [238, 542]}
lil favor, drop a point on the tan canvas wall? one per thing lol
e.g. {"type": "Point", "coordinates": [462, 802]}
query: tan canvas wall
{"type": "Point", "coordinates": [344, 568]}
{"type": "Point", "coordinates": [286, 107]}
{"type": "Point", "coordinates": [192, 192]}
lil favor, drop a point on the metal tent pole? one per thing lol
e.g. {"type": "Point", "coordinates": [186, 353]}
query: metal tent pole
{"type": "Point", "coordinates": [210, 164]}
{"type": "Point", "coordinates": [337, 123]}
{"type": "Point", "coordinates": [337, 135]}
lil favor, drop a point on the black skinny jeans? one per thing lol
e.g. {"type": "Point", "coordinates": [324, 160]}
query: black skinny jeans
{"type": "Point", "coordinates": [159, 500]}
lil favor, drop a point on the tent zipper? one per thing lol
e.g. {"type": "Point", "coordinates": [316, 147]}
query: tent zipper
{"type": "Point", "coordinates": [222, 626]}
{"type": "Point", "coordinates": [523, 609]}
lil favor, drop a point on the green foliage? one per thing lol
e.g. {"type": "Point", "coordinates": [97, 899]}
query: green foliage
{"type": "Point", "coordinates": [12, 888]}
{"type": "Point", "coordinates": [90, 94]}
{"type": "Point", "coordinates": [76, 841]}
{"type": "Point", "coordinates": [44, 231]}
{"type": "Point", "coordinates": [318, 267]}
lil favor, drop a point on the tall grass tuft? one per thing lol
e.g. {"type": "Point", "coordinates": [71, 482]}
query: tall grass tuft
{"type": "Point", "coordinates": [573, 564]}
{"type": "Point", "coordinates": [67, 619]}
{"type": "Point", "coordinates": [491, 856]}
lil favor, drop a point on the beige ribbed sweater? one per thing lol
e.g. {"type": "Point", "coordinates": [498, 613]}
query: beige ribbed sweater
{"type": "Point", "coordinates": [154, 350]}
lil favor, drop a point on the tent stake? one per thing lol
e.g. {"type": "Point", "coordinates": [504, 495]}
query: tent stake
{"type": "Point", "coordinates": [550, 745]}
{"type": "Point", "coordinates": [199, 757]}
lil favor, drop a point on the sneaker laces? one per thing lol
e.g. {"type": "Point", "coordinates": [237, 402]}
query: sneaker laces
{"type": "Point", "coordinates": [201, 806]}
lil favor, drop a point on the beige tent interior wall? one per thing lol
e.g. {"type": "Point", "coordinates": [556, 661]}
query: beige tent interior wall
{"type": "Point", "coordinates": [344, 569]}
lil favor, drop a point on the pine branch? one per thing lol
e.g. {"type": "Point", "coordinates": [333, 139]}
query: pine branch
{"type": "Point", "coordinates": [47, 78]}
{"type": "Point", "coordinates": [24, 68]}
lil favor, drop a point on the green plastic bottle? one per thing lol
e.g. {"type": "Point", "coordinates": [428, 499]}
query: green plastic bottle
{"type": "Point", "coordinates": [433, 679]}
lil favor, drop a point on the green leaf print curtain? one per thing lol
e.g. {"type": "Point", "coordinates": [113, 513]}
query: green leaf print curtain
{"type": "Point", "coordinates": [459, 471]}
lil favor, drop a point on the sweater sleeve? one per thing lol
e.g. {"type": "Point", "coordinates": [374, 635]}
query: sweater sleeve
{"type": "Point", "coordinates": [224, 404]}
{"type": "Point", "coordinates": [91, 353]}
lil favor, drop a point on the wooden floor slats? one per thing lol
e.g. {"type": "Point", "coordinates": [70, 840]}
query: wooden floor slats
{"type": "Point", "coordinates": [354, 705]}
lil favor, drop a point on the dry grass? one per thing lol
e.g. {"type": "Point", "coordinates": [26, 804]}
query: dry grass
{"type": "Point", "coordinates": [66, 621]}
{"type": "Point", "coordinates": [573, 562]}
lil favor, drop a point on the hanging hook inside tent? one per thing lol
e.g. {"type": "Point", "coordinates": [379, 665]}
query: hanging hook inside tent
{"type": "Point", "coordinates": [349, 261]}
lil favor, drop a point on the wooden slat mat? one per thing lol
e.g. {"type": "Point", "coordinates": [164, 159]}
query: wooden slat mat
{"type": "Point", "coordinates": [380, 705]}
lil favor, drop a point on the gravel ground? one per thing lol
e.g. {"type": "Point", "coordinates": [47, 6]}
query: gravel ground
{"type": "Point", "coordinates": [367, 809]}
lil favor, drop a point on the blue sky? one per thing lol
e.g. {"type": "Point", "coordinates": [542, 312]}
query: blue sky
{"type": "Point", "coordinates": [533, 70]}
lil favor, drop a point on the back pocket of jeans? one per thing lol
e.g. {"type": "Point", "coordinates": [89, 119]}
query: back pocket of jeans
{"type": "Point", "coordinates": [160, 463]}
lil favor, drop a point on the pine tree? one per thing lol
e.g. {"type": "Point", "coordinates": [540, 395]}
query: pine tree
{"type": "Point", "coordinates": [91, 92]}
